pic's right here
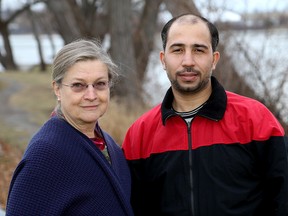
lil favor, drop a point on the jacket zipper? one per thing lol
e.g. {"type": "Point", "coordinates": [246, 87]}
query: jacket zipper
{"type": "Point", "coordinates": [190, 168]}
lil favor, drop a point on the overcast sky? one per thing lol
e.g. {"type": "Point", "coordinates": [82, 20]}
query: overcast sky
{"type": "Point", "coordinates": [256, 5]}
{"type": "Point", "coordinates": [230, 9]}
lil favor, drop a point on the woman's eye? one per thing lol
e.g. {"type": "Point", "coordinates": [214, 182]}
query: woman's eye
{"type": "Point", "coordinates": [78, 85]}
{"type": "Point", "coordinates": [103, 83]}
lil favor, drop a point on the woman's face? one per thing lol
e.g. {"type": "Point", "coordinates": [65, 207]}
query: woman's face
{"type": "Point", "coordinates": [83, 105]}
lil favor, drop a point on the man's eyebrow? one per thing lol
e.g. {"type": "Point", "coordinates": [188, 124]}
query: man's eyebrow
{"type": "Point", "coordinates": [200, 45]}
{"type": "Point", "coordinates": [193, 45]}
{"type": "Point", "coordinates": [177, 45]}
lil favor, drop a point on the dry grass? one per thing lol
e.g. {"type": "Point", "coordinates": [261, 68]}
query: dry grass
{"type": "Point", "coordinates": [37, 98]}
{"type": "Point", "coordinates": [9, 158]}
{"type": "Point", "coordinates": [118, 119]}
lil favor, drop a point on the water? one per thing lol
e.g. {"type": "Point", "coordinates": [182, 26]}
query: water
{"type": "Point", "coordinates": [25, 50]}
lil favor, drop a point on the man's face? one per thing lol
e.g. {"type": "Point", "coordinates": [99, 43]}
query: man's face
{"type": "Point", "coordinates": [188, 58]}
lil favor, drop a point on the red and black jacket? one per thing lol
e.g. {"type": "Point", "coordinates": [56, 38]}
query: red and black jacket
{"type": "Point", "coordinates": [231, 160]}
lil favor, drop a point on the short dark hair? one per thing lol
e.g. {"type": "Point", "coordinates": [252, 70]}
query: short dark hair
{"type": "Point", "coordinates": [212, 29]}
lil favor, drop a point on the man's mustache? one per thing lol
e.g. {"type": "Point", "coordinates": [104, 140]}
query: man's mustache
{"type": "Point", "coordinates": [188, 69]}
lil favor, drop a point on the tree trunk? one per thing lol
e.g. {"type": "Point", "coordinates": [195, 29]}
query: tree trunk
{"type": "Point", "coordinates": [128, 89]}
{"type": "Point", "coordinates": [181, 6]}
{"type": "Point", "coordinates": [7, 59]}
{"type": "Point", "coordinates": [65, 23]}
{"type": "Point", "coordinates": [144, 36]}
{"type": "Point", "coordinates": [38, 41]}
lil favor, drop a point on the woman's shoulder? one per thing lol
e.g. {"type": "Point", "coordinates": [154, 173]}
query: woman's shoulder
{"type": "Point", "coordinates": [52, 139]}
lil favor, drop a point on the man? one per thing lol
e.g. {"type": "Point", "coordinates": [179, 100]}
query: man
{"type": "Point", "coordinates": [204, 151]}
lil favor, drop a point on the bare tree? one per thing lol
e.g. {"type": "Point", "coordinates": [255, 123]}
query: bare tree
{"type": "Point", "coordinates": [268, 77]}
{"type": "Point", "coordinates": [65, 23]}
{"type": "Point", "coordinates": [6, 55]}
{"type": "Point", "coordinates": [181, 6]}
{"type": "Point", "coordinates": [32, 17]}
{"type": "Point", "coordinates": [144, 36]}
{"type": "Point", "coordinates": [121, 37]}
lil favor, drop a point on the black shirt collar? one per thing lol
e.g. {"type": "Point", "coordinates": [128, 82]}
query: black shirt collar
{"type": "Point", "coordinates": [214, 109]}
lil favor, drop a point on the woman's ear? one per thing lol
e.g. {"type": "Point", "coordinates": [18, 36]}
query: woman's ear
{"type": "Point", "coordinates": [56, 89]}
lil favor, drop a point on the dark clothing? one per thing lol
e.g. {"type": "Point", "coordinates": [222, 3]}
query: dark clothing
{"type": "Point", "coordinates": [231, 160]}
{"type": "Point", "coordinates": [63, 173]}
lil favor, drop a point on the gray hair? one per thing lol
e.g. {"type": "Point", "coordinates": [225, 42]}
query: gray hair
{"type": "Point", "coordinates": [81, 50]}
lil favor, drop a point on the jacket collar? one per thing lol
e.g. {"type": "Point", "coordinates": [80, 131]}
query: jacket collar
{"type": "Point", "coordinates": [214, 109]}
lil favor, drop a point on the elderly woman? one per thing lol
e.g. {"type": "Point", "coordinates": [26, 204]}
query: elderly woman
{"type": "Point", "coordinates": [71, 166]}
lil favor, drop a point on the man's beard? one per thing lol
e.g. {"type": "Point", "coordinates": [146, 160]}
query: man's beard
{"type": "Point", "coordinates": [190, 89]}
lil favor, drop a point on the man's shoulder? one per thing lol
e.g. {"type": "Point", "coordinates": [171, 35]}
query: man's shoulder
{"type": "Point", "coordinates": [241, 100]}
{"type": "Point", "coordinates": [251, 110]}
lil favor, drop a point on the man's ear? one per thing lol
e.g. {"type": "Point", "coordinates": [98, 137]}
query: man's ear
{"type": "Point", "coordinates": [216, 57]}
{"type": "Point", "coordinates": [162, 59]}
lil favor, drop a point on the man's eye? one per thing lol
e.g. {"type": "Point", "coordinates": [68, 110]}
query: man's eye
{"type": "Point", "coordinates": [199, 50]}
{"type": "Point", "coordinates": [177, 50]}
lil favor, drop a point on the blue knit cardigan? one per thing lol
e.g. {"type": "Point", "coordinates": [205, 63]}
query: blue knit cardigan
{"type": "Point", "coordinates": [63, 173]}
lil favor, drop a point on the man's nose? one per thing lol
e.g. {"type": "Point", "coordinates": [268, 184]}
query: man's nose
{"type": "Point", "coordinates": [188, 59]}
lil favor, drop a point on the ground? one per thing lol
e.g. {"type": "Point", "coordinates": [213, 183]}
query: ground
{"type": "Point", "coordinates": [18, 120]}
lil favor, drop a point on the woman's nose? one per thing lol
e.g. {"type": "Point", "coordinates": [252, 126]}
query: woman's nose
{"type": "Point", "coordinates": [90, 92]}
